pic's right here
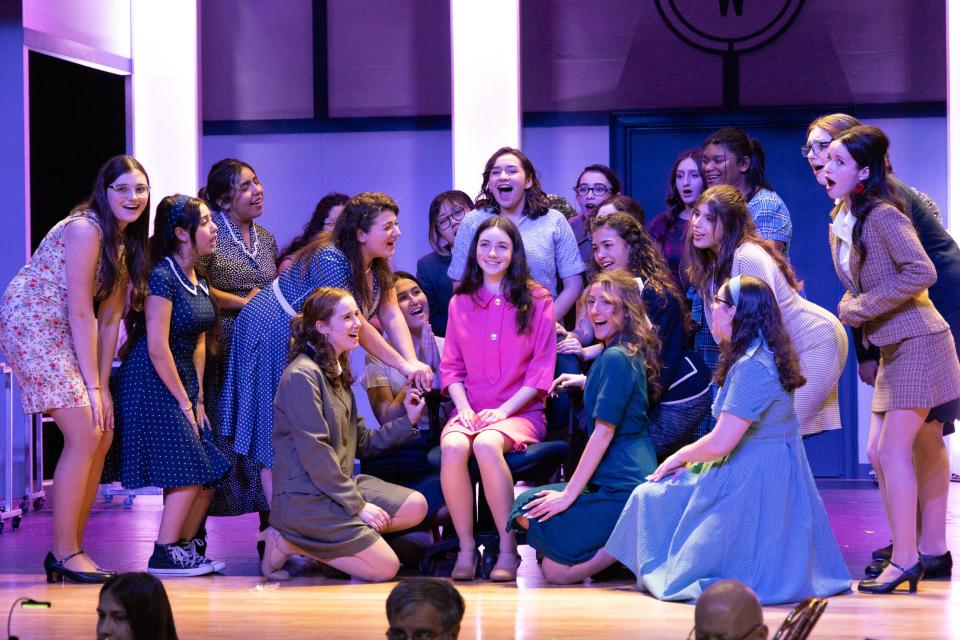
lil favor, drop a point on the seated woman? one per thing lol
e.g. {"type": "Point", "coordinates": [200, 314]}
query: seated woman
{"type": "Point", "coordinates": [569, 522]}
{"type": "Point", "coordinates": [497, 367]}
{"type": "Point", "coordinates": [320, 509]}
{"type": "Point", "coordinates": [741, 503]}
{"type": "Point", "coordinates": [406, 465]}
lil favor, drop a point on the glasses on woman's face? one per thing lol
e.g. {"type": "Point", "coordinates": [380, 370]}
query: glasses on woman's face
{"type": "Point", "coordinates": [125, 190]}
{"type": "Point", "coordinates": [817, 147]}
{"type": "Point", "coordinates": [694, 635]}
{"type": "Point", "coordinates": [456, 214]}
{"type": "Point", "coordinates": [719, 300]}
{"type": "Point", "coordinates": [599, 190]}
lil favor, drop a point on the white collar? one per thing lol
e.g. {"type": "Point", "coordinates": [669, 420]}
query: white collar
{"type": "Point", "coordinates": [189, 286]}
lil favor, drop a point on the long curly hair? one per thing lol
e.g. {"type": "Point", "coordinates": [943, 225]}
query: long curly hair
{"type": "Point", "coordinates": [635, 335]}
{"type": "Point", "coordinates": [359, 214]}
{"type": "Point", "coordinates": [868, 147]}
{"type": "Point", "coordinates": [727, 207]}
{"type": "Point", "coordinates": [517, 284]}
{"type": "Point", "coordinates": [535, 203]}
{"type": "Point", "coordinates": [315, 224]}
{"type": "Point", "coordinates": [757, 310]}
{"type": "Point", "coordinates": [133, 238]}
{"type": "Point", "coordinates": [304, 337]}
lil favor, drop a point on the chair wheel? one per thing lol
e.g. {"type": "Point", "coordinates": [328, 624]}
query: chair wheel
{"type": "Point", "coordinates": [16, 523]}
{"type": "Point", "coordinates": [38, 504]}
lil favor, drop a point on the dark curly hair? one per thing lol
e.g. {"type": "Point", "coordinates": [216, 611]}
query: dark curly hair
{"type": "Point", "coordinates": [729, 210]}
{"type": "Point", "coordinates": [517, 284]}
{"type": "Point", "coordinates": [757, 310]}
{"type": "Point", "coordinates": [315, 225]}
{"type": "Point", "coordinates": [636, 335]}
{"type": "Point", "coordinates": [304, 337]}
{"type": "Point", "coordinates": [535, 204]}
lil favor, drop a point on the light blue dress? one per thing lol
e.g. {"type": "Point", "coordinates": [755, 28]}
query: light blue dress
{"type": "Point", "coordinates": [753, 516]}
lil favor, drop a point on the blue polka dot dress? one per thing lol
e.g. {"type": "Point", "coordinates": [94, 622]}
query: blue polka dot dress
{"type": "Point", "coordinates": [753, 516]}
{"type": "Point", "coordinates": [157, 444]}
{"type": "Point", "coordinates": [258, 351]}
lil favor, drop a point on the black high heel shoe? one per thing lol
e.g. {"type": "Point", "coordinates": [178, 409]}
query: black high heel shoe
{"type": "Point", "coordinates": [883, 553]}
{"type": "Point", "coordinates": [875, 568]}
{"type": "Point", "coordinates": [911, 576]}
{"type": "Point", "coordinates": [56, 572]}
{"type": "Point", "coordinates": [937, 566]}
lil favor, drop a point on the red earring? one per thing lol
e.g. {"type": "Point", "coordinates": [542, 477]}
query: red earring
{"type": "Point", "coordinates": [859, 188]}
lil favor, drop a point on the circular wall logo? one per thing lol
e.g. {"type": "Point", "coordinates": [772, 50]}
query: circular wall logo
{"type": "Point", "coordinates": [728, 26]}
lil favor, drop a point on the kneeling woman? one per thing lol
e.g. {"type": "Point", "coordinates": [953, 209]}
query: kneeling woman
{"type": "Point", "coordinates": [569, 523]}
{"type": "Point", "coordinates": [741, 503]}
{"type": "Point", "coordinates": [320, 509]}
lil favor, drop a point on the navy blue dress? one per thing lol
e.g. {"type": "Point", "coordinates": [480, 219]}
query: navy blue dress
{"type": "Point", "coordinates": [157, 444]}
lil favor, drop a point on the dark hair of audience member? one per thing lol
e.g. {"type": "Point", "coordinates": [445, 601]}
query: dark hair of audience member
{"type": "Point", "coordinates": [417, 591]}
{"type": "Point", "coordinates": [145, 602]}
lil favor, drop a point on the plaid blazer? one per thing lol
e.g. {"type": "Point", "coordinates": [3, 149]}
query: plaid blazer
{"type": "Point", "coordinates": [887, 293]}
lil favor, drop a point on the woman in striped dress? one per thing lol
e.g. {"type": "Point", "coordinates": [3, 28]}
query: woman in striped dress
{"type": "Point", "coordinates": [723, 243]}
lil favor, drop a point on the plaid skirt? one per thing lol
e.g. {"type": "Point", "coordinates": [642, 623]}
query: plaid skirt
{"type": "Point", "coordinates": [920, 372]}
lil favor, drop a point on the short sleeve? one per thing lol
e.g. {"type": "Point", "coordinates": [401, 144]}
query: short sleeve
{"type": "Point", "coordinates": [771, 216]}
{"type": "Point", "coordinates": [615, 376]}
{"type": "Point", "coordinates": [162, 282]}
{"type": "Point", "coordinates": [750, 389]}
{"type": "Point", "coordinates": [569, 262]}
{"type": "Point", "coordinates": [330, 268]}
{"type": "Point", "coordinates": [375, 374]}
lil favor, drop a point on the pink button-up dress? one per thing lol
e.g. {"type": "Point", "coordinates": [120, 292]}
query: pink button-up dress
{"type": "Point", "coordinates": [484, 351]}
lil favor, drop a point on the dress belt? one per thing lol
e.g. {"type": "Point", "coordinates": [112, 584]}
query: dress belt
{"type": "Point", "coordinates": [275, 285]}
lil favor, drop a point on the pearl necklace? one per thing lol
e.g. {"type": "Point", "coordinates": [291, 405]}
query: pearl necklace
{"type": "Point", "coordinates": [238, 238]}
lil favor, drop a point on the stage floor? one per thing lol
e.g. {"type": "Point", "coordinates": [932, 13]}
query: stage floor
{"type": "Point", "coordinates": [240, 604]}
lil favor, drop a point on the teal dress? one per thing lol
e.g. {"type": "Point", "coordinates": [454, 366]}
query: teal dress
{"type": "Point", "coordinates": [753, 516]}
{"type": "Point", "coordinates": [616, 393]}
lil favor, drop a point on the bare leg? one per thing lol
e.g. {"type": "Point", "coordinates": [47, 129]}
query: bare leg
{"type": "Point", "coordinates": [565, 574]}
{"type": "Point", "coordinates": [93, 483]}
{"type": "Point", "coordinates": [177, 504]}
{"type": "Point", "coordinates": [410, 514]}
{"type": "Point", "coordinates": [489, 447]}
{"type": "Point", "coordinates": [80, 444]}
{"type": "Point", "coordinates": [376, 563]}
{"type": "Point", "coordinates": [266, 479]}
{"type": "Point", "coordinates": [196, 514]}
{"type": "Point", "coordinates": [457, 487]}
{"type": "Point", "coordinates": [900, 429]}
{"type": "Point", "coordinates": [873, 454]}
{"type": "Point", "coordinates": [933, 485]}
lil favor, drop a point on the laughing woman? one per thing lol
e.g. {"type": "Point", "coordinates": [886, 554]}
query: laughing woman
{"type": "Point", "coordinates": [880, 261]}
{"type": "Point", "coordinates": [568, 523]}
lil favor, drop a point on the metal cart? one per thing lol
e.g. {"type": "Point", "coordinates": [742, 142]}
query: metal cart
{"type": "Point", "coordinates": [7, 512]}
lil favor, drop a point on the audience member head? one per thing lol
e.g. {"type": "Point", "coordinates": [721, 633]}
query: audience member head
{"type": "Point", "coordinates": [234, 188]}
{"type": "Point", "coordinates": [512, 185]}
{"type": "Point", "coordinates": [857, 173]}
{"type": "Point", "coordinates": [412, 301]}
{"type": "Point", "coordinates": [324, 216]}
{"type": "Point", "coordinates": [745, 313]}
{"type": "Point", "coordinates": [134, 606]}
{"type": "Point", "coordinates": [119, 198]}
{"type": "Point", "coordinates": [731, 157]}
{"type": "Point", "coordinates": [614, 306]}
{"type": "Point", "coordinates": [721, 222]}
{"type": "Point", "coordinates": [327, 329]}
{"type": "Point", "coordinates": [728, 610]}
{"type": "Point", "coordinates": [424, 609]}
{"type": "Point", "coordinates": [686, 184]}
{"type": "Point", "coordinates": [596, 183]}
{"type": "Point", "coordinates": [820, 134]}
{"type": "Point", "coordinates": [496, 255]}
{"type": "Point", "coordinates": [447, 211]}
{"type": "Point", "coordinates": [624, 203]}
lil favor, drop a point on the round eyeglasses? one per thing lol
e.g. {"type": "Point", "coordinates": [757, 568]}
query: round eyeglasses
{"type": "Point", "coordinates": [817, 147]}
{"type": "Point", "coordinates": [599, 190]}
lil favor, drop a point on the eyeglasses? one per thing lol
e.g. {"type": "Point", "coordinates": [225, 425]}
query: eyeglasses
{"type": "Point", "coordinates": [719, 300]}
{"type": "Point", "coordinates": [419, 634]}
{"type": "Point", "coordinates": [693, 635]}
{"type": "Point", "coordinates": [818, 147]}
{"type": "Point", "coordinates": [456, 213]}
{"type": "Point", "coordinates": [125, 190]}
{"type": "Point", "coordinates": [598, 189]}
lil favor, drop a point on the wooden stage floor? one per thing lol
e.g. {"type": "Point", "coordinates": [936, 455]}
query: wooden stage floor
{"type": "Point", "coordinates": [239, 604]}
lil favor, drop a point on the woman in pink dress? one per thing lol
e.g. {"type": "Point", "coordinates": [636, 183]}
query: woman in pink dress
{"type": "Point", "coordinates": [497, 367]}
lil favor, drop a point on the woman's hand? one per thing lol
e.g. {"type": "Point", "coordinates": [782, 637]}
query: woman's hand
{"type": "Point", "coordinates": [96, 406]}
{"type": "Point", "coordinates": [570, 345]}
{"type": "Point", "coordinates": [468, 418]}
{"type": "Point", "coordinates": [490, 416]}
{"type": "Point", "coordinates": [107, 399]}
{"type": "Point", "coordinates": [868, 371]}
{"type": "Point", "coordinates": [846, 312]}
{"type": "Point", "coordinates": [669, 467]}
{"type": "Point", "coordinates": [375, 517]}
{"type": "Point", "coordinates": [418, 375]}
{"type": "Point", "coordinates": [202, 420]}
{"type": "Point", "coordinates": [567, 381]}
{"type": "Point", "coordinates": [187, 411]}
{"type": "Point", "coordinates": [548, 503]}
{"type": "Point", "coordinates": [414, 404]}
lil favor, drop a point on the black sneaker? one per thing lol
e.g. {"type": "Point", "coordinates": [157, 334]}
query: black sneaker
{"type": "Point", "coordinates": [196, 548]}
{"type": "Point", "coordinates": [174, 560]}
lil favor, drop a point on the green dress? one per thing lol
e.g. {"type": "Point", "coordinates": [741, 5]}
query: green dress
{"type": "Point", "coordinates": [616, 393]}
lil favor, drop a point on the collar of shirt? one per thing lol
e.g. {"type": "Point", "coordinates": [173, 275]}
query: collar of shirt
{"type": "Point", "coordinates": [483, 297]}
{"type": "Point", "coordinates": [842, 225]}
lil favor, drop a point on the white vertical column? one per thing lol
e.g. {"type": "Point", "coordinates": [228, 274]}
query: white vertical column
{"type": "Point", "coordinates": [165, 102]}
{"type": "Point", "coordinates": [485, 55]}
{"type": "Point", "coordinates": [953, 154]}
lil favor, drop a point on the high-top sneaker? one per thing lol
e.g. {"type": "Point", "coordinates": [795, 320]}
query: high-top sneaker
{"type": "Point", "coordinates": [174, 560]}
{"type": "Point", "coordinates": [196, 548]}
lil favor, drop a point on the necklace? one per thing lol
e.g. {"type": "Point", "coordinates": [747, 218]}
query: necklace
{"type": "Point", "coordinates": [189, 286]}
{"type": "Point", "coordinates": [238, 238]}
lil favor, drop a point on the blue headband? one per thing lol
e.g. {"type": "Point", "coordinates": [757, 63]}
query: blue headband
{"type": "Point", "coordinates": [176, 212]}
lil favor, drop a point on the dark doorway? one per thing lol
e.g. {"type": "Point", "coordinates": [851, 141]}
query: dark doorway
{"type": "Point", "coordinates": [77, 122]}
